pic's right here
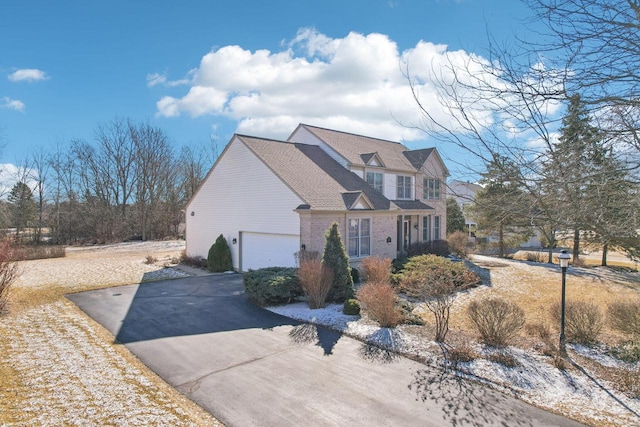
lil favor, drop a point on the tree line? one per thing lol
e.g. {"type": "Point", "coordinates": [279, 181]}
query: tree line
{"type": "Point", "coordinates": [129, 182]}
{"type": "Point", "coordinates": [573, 177]}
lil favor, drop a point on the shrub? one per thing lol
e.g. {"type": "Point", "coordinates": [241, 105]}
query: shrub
{"type": "Point", "coordinates": [583, 321]}
{"type": "Point", "coordinates": [435, 283]}
{"type": "Point", "coordinates": [355, 275]}
{"type": "Point", "coordinates": [315, 280]}
{"type": "Point", "coordinates": [536, 257]}
{"type": "Point", "coordinates": [375, 269]}
{"type": "Point", "coordinates": [505, 359]}
{"type": "Point", "coordinates": [406, 313]}
{"type": "Point", "coordinates": [193, 261]}
{"type": "Point", "coordinates": [150, 259]}
{"type": "Point", "coordinates": [219, 258]}
{"type": "Point", "coordinates": [496, 319]}
{"type": "Point", "coordinates": [462, 353]}
{"type": "Point", "coordinates": [379, 301]}
{"type": "Point", "coordinates": [351, 307]}
{"type": "Point", "coordinates": [8, 273]}
{"type": "Point", "coordinates": [420, 269]}
{"type": "Point", "coordinates": [434, 247]}
{"type": "Point", "coordinates": [625, 317]}
{"type": "Point", "coordinates": [458, 243]}
{"type": "Point", "coordinates": [32, 252]}
{"type": "Point", "coordinates": [628, 351]}
{"type": "Point", "coordinates": [336, 258]}
{"type": "Point", "coordinates": [543, 332]}
{"type": "Point", "coordinates": [273, 285]}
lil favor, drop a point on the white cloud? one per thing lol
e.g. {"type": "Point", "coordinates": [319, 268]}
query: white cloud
{"type": "Point", "coordinates": [355, 83]}
{"type": "Point", "coordinates": [28, 75]}
{"type": "Point", "coordinates": [12, 104]}
{"type": "Point", "coordinates": [154, 79]}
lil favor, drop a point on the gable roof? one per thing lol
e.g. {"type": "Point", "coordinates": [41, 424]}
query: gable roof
{"type": "Point", "coordinates": [360, 150]}
{"type": "Point", "coordinates": [313, 175]}
{"type": "Point", "coordinates": [352, 146]}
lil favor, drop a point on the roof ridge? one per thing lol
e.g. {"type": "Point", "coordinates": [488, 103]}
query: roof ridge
{"type": "Point", "coordinates": [353, 134]}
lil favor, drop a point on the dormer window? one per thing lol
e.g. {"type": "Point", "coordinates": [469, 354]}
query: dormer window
{"type": "Point", "coordinates": [404, 187]}
{"type": "Point", "coordinates": [375, 179]}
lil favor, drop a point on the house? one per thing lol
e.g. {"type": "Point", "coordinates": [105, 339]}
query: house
{"type": "Point", "coordinates": [271, 199]}
{"type": "Point", "coordinates": [465, 194]}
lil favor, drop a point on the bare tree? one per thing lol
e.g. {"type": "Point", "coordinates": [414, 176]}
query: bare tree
{"type": "Point", "coordinates": [154, 164]}
{"type": "Point", "coordinates": [39, 173]}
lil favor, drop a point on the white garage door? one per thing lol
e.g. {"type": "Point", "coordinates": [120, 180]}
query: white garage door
{"type": "Point", "coordinates": [259, 250]}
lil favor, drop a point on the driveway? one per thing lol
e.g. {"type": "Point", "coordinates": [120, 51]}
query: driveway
{"type": "Point", "coordinates": [250, 367]}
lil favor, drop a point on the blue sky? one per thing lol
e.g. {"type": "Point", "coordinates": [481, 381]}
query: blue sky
{"type": "Point", "coordinates": [200, 68]}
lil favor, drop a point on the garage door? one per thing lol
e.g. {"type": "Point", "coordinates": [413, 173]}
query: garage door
{"type": "Point", "coordinates": [258, 250]}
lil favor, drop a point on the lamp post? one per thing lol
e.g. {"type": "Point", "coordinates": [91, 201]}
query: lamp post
{"type": "Point", "coordinates": [564, 263]}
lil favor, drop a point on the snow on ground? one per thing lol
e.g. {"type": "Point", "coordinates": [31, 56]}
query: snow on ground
{"type": "Point", "coordinates": [572, 392]}
{"type": "Point", "coordinates": [59, 367]}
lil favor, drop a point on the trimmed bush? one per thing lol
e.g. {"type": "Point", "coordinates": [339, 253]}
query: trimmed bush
{"type": "Point", "coordinates": [583, 321]}
{"type": "Point", "coordinates": [315, 280]}
{"type": "Point", "coordinates": [435, 280]}
{"type": "Point", "coordinates": [336, 258]}
{"type": "Point", "coordinates": [273, 285]}
{"type": "Point", "coordinates": [497, 320]}
{"type": "Point", "coordinates": [419, 269]}
{"type": "Point", "coordinates": [351, 307]}
{"type": "Point", "coordinates": [625, 317]}
{"type": "Point", "coordinates": [376, 269]}
{"type": "Point", "coordinates": [219, 258]}
{"type": "Point", "coordinates": [434, 247]}
{"type": "Point", "coordinates": [379, 300]}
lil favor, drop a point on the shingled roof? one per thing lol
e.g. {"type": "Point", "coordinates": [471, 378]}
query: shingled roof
{"type": "Point", "coordinates": [352, 147]}
{"type": "Point", "coordinates": [313, 175]}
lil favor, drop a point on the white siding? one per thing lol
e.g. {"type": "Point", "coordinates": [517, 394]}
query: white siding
{"type": "Point", "coordinates": [303, 136]}
{"type": "Point", "coordinates": [240, 194]}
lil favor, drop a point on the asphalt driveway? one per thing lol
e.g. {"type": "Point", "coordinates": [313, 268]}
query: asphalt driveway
{"type": "Point", "coordinates": [250, 367]}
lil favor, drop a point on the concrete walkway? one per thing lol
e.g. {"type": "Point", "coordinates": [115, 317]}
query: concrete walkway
{"type": "Point", "coordinates": [250, 367]}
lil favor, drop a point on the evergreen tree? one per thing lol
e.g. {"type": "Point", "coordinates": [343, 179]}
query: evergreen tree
{"type": "Point", "coordinates": [455, 217]}
{"type": "Point", "coordinates": [503, 206]}
{"type": "Point", "coordinates": [23, 207]}
{"type": "Point", "coordinates": [570, 167]}
{"type": "Point", "coordinates": [335, 257]}
{"type": "Point", "coordinates": [219, 257]}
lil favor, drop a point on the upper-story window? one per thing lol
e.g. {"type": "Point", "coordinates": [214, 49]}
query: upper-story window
{"type": "Point", "coordinates": [375, 179]}
{"type": "Point", "coordinates": [431, 189]}
{"type": "Point", "coordinates": [404, 187]}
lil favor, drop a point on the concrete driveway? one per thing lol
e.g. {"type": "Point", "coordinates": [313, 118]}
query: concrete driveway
{"type": "Point", "coordinates": [250, 367]}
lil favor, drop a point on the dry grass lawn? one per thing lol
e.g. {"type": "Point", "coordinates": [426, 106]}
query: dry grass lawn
{"type": "Point", "coordinates": [536, 287]}
{"type": "Point", "coordinates": [62, 368]}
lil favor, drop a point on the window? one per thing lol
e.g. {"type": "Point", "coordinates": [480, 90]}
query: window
{"type": "Point", "coordinates": [436, 228]}
{"type": "Point", "coordinates": [404, 187]}
{"type": "Point", "coordinates": [374, 179]}
{"type": "Point", "coordinates": [431, 189]}
{"type": "Point", "coordinates": [426, 228]}
{"type": "Point", "coordinates": [359, 237]}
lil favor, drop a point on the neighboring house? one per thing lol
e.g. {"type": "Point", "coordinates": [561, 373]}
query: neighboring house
{"type": "Point", "coordinates": [465, 194]}
{"type": "Point", "coordinates": [271, 199]}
